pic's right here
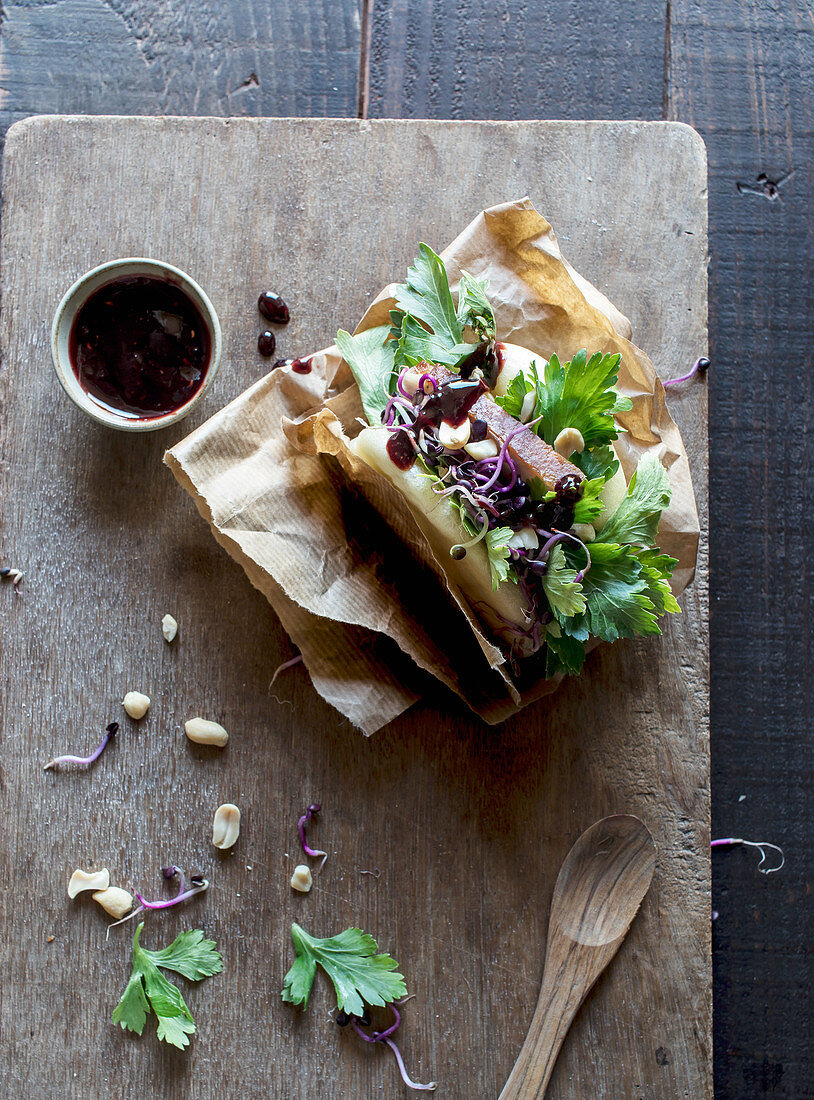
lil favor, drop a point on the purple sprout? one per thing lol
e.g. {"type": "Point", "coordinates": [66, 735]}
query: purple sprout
{"type": "Point", "coordinates": [700, 366]}
{"type": "Point", "coordinates": [500, 458]}
{"type": "Point", "coordinates": [762, 845]}
{"type": "Point", "coordinates": [286, 664]}
{"type": "Point", "coordinates": [197, 885]}
{"type": "Point", "coordinates": [312, 811]}
{"type": "Point", "coordinates": [357, 1022]}
{"type": "Point", "coordinates": [110, 733]}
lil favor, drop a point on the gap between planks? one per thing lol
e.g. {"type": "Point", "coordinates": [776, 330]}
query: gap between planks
{"type": "Point", "coordinates": [366, 38]}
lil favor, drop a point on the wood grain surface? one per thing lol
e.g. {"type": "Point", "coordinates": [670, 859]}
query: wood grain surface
{"type": "Point", "coordinates": [597, 894]}
{"type": "Point", "coordinates": [467, 825]}
{"type": "Point", "coordinates": [149, 57]}
{"type": "Point", "coordinates": [741, 72]}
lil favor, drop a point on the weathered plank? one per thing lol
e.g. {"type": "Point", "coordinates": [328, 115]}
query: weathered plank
{"type": "Point", "coordinates": [467, 825]}
{"type": "Point", "coordinates": [246, 57]}
{"type": "Point", "coordinates": [742, 74]}
{"type": "Point", "coordinates": [513, 59]}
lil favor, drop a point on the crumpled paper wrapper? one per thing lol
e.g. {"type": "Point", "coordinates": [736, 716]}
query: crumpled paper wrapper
{"type": "Point", "coordinates": [273, 476]}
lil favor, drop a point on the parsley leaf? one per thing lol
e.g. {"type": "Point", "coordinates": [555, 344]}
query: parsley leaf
{"type": "Point", "coordinates": [563, 592]}
{"type": "Point", "coordinates": [616, 596]}
{"type": "Point", "coordinates": [427, 325]}
{"type": "Point", "coordinates": [415, 345]}
{"type": "Point", "coordinates": [515, 395]}
{"type": "Point", "coordinates": [589, 507]}
{"type": "Point", "coordinates": [497, 548]}
{"type": "Point", "coordinates": [597, 462]}
{"type": "Point", "coordinates": [360, 975]}
{"type": "Point", "coordinates": [371, 358]}
{"type": "Point", "coordinates": [474, 308]}
{"type": "Point", "coordinates": [426, 297]}
{"type": "Point", "coordinates": [657, 568]}
{"type": "Point", "coordinates": [578, 394]}
{"type": "Point", "coordinates": [563, 653]}
{"type": "Point", "coordinates": [189, 954]}
{"type": "Point", "coordinates": [636, 520]}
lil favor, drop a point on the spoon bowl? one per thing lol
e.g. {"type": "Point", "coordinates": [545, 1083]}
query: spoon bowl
{"type": "Point", "coordinates": [598, 892]}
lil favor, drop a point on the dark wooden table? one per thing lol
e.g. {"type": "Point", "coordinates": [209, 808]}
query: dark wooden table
{"type": "Point", "coordinates": [740, 71]}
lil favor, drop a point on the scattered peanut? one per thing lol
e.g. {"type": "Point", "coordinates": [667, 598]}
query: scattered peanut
{"type": "Point", "coordinates": [136, 704]}
{"type": "Point", "coordinates": [226, 825]}
{"type": "Point", "coordinates": [568, 441]}
{"type": "Point", "coordinates": [169, 627]}
{"type": "Point", "coordinates": [486, 448]}
{"type": "Point", "coordinates": [204, 732]}
{"type": "Point", "coordinates": [454, 436]}
{"type": "Point", "coordinates": [302, 879]}
{"type": "Point", "coordinates": [115, 901]}
{"type": "Point", "coordinates": [527, 408]}
{"type": "Point", "coordinates": [410, 380]}
{"type": "Point", "coordinates": [88, 880]}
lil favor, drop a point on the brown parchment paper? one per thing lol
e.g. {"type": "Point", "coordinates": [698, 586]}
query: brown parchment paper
{"type": "Point", "coordinates": [273, 476]}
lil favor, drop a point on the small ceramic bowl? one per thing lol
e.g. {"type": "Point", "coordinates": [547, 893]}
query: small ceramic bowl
{"type": "Point", "coordinates": [73, 301]}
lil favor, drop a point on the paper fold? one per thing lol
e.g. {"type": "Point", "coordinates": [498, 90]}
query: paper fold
{"type": "Point", "coordinates": [273, 477]}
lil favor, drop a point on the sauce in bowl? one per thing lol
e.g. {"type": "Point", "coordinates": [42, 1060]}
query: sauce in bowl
{"type": "Point", "coordinates": [139, 347]}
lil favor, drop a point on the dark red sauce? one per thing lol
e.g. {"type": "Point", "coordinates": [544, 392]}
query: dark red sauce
{"type": "Point", "coordinates": [273, 308]}
{"type": "Point", "coordinates": [140, 347]}
{"type": "Point", "coordinates": [299, 366]}
{"type": "Point", "coordinates": [267, 344]}
{"type": "Point", "coordinates": [454, 400]}
{"type": "Point", "coordinates": [401, 450]}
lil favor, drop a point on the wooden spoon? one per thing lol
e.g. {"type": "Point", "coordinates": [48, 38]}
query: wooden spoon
{"type": "Point", "coordinates": [598, 892]}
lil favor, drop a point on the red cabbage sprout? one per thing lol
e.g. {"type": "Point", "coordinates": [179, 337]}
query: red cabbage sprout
{"type": "Point", "coordinates": [312, 810]}
{"type": "Point", "coordinates": [357, 1022]}
{"type": "Point", "coordinates": [761, 845]}
{"type": "Point", "coordinates": [197, 885]}
{"type": "Point", "coordinates": [700, 366]}
{"type": "Point", "coordinates": [110, 733]}
{"type": "Point", "coordinates": [286, 664]}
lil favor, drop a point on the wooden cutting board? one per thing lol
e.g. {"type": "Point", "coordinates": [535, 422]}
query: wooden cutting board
{"type": "Point", "coordinates": [467, 825]}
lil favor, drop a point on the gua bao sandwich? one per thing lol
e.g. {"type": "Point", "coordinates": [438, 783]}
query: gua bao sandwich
{"type": "Point", "coordinates": [511, 458]}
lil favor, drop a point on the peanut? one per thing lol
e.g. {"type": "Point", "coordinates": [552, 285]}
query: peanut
{"type": "Point", "coordinates": [226, 825]}
{"type": "Point", "coordinates": [169, 627]}
{"type": "Point", "coordinates": [568, 441]}
{"type": "Point", "coordinates": [88, 880]}
{"type": "Point", "coordinates": [453, 437]}
{"type": "Point", "coordinates": [115, 901]}
{"type": "Point", "coordinates": [136, 704]}
{"type": "Point", "coordinates": [204, 732]}
{"type": "Point", "coordinates": [302, 879]}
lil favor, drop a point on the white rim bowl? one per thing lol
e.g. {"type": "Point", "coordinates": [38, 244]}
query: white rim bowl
{"type": "Point", "coordinates": [74, 300]}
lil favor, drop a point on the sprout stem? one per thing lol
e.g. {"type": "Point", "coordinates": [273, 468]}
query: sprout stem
{"type": "Point", "coordinates": [286, 664]}
{"type": "Point", "coordinates": [700, 366]}
{"type": "Point", "coordinates": [385, 1037]}
{"type": "Point", "coordinates": [182, 895]}
{"type": "Point", "coordinates": [110, 733]}
{"type": "Point", "coordinates": [431, 1087]}
{"type": "Point", "coordinates": [500, 458]}
{"type": "Point", "coordinates": [761, 845]}
{"type": "Point", "coordinates": [312, 810]}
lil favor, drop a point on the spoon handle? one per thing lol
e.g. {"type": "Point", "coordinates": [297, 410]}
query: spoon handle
{"type": "Point", "coordinates": [567, 979]}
